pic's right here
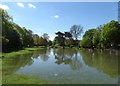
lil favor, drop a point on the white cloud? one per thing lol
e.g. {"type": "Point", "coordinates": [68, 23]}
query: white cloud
{"type": "Point", "coordinates": [31, 5]}
{"type": "Point", "coordinates": [20, 5]}
{"type": "Point", "coordinates": [56, 16]}
{"type": "Point", "coordinates": [51, 37]}
{"type": "Point", "coordinates": [5, 7]}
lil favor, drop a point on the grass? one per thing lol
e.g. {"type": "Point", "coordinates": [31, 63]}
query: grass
{"type": "Point", "coordinates": [28, 50]}
{"type": "Point", "coordinates": [24, 51]}
{"type": "Point", "coordinates": [22, 79]}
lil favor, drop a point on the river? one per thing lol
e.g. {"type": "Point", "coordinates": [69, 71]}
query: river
{"type": "Point", "coordinates": [66, 66]}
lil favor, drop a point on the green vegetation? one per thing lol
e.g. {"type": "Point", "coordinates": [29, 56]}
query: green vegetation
{"type": "Point", "coordinates": [22, 79]}
{"type": "Point", "coordinates": [15, 38]}
{"type": "Point", "coordinates": [68, 39]}
{"type": "Point", "coordinates": [103, 37]}
{"type": "Point", "coordinates": [110, 34]}
{"type": "Point", "coordinates": [24, 51]}
{"type": "Point", "coordinates": [106, 36]}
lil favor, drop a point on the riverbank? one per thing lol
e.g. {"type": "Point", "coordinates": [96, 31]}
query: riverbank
{"type": "Point", "coordinates": [23, 51]}
{"type": "Point", "coordinates": [23, 79]}
{"type": "Point", "coordinates": [29, 50]}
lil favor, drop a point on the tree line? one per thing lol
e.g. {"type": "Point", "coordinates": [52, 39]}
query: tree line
{"type": "Point", "coordinates": [15, 37]}
{"type": "Point", "coordinates": [104, 36]}
{"type": "Point", "coordinates": [70, 38]}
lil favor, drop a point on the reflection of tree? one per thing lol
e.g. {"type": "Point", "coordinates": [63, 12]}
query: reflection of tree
{"type": "Point", "coordinates": [75, 64]}
{"type": "Point", "coordinates": [44, 54]}
{"type": "Point", "coordinates": [44, 57]}
{"type": "Point", "coordinates": [68, 56]}
{"type": "Point", "coordinates": [62, 60]}
{"type": "Point", "coordinates": [36, 53]}
{"type": "Point", "coordinates": [103, 61]}
{"type": "Point", "coordinates": [12, 64]}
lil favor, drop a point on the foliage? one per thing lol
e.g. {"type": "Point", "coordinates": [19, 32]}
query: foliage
{"type": "Point", "coordinates": [60, 38]}
{"type": "Point", "coordinates": [88, 38]}
{"type": "Point", "coordinates": [105, 36]}
{"type": "Point", "coordinates": [42, 41]}
{"type": "Point", "coordinates": [50, 43]}
{"type": "Point", "coordinates": [110, 35]}
{"type": "Point", "coordinates": [36, 39]}
{"type": "Point", "coordinates": [68, 35]}
{"type": "Point", "coordinates": [69, 42]}
{"type": "Point", "coordinates": [15, 37]}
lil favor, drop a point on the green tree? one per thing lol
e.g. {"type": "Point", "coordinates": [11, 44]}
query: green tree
{"type": "Point", "coordinates": [9, 32]}
{"type": "Point", "coordinates": [50, 43]}
{"type": "Point", "coordinates": [60, 38]}
{"type": "Point", "coordinates": [89, 38]}
{"type": "Point", "coordinates": [69, 42]}
{"type": "Point", "coordinates": [36, 39]}
{"type": "Point", "coordinates": [110, 35]}
{"type": "Point", "coordinates": [13, 36]}
{"type": "Point", "coordinates": [68, 35]}
{"type": "Point", "coordinates": [43, 42]}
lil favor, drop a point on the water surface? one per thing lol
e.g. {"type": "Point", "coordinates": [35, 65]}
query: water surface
{"type": "Point", "coordinates": [66, 66]}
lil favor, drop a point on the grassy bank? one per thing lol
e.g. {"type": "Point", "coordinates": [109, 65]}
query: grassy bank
{"type": "Point", "coordinates": [22, 79]}
{"type": "Point", "coordinates": [23, 51]}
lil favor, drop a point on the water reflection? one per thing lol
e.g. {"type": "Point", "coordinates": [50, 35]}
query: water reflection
{"type": "Point", "coordinates": [104, 61]}
{"type": "Point", "coordinates": [43, 54]}
{"type": "Point", "coordinates": [12, 64]}
{"type": "Point", "coordinates": [68, 56]}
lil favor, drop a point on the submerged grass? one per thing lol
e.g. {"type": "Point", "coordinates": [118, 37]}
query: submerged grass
{"type": "Point", "coordinates": [22, 79]}
{"type": "Point", "coordinates": [24, 51]}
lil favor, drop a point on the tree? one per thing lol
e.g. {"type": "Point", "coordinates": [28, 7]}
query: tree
{"type": "Point", "coordinates": [68, 35]}
{"type": "Point", "coordinates": [28, 38]}
{"type": "Point", "coordinates": [36, 39]}
{"type": "Point", "coordinates": [10, 33]}
{"type": "Point", "coordinates": [4, 42]}
{"type": "Point", "coordinates": [69, 42]}
{"type": "Point", "coordinates": [89, 38]}
{"type": "Point", "coordinates": [46, 36]}
{"type": "Point", "coordinates": [60, 38]}
{"type": "Point", "coordinates": [43, 42]}
{"type": "Point", "coordinates": [76, 31]}
{"type": "Point", "coordinates": [13, 36]}
{"type": "Point", "coordinates": [110, 35]}
{"type": "Point", "coordinates": [50, 43]}
{"type": "Point", "coordinates": [96, 37]}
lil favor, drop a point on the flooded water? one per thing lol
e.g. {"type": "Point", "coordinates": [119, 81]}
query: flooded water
{"type": "Point", "coordinates": [66, 66]}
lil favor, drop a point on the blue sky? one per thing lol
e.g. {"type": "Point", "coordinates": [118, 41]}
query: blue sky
{"type": "Point", "coordinates": [50, 17]}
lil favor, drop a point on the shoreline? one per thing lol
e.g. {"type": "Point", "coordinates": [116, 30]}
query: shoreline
{"type": "Point", "coordinates": [22, 51]}
{"type": "Point", "coordinates": [29, 50]}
